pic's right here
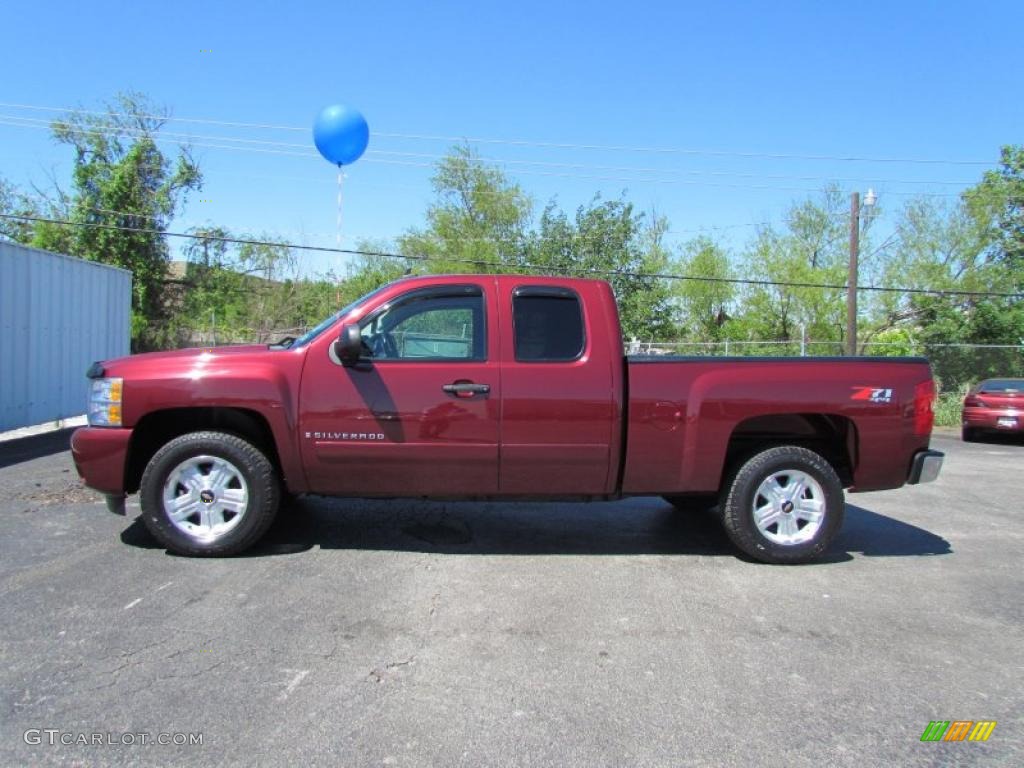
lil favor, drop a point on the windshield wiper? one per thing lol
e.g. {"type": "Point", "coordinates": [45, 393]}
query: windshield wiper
{"type": "Point", "coordinates": [284, 343]}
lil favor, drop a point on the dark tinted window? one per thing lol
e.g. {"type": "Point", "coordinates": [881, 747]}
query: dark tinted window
{"type": "Point", "coordinates": [548, 325]}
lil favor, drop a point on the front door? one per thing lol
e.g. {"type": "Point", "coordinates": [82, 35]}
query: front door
{"type": "Point", "coordinates": [418, 416]}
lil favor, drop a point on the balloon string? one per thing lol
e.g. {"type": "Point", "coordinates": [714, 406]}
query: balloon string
{"type": "Point", "coordinates": [339, 206]}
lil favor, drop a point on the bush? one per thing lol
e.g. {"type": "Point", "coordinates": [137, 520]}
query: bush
{"type": "Point", "coordinates": [948, 407]}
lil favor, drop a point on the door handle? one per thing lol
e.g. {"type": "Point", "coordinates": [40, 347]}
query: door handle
{"type": "Point", "coordinates": [466, 389]}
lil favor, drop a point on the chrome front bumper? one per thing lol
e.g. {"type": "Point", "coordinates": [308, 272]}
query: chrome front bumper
{"type": "Point", "coordinates": [925, 467]}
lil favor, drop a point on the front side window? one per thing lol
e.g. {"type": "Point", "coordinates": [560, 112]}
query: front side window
{"type": "Point", "coordinates": [548, 325]}
{"type": "Point", "coordinates": [433, 324]}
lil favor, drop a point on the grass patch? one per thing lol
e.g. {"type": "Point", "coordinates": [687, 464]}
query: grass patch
{"type": "Point", "coordinates": [948, 407]}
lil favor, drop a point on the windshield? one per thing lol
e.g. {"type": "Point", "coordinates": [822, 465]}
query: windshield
{"type": "Point", "coordinates": [312, 333]}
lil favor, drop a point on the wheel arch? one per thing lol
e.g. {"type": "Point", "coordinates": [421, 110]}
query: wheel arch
{"type": "Point", "coordinates": [832, 436]}
{"type": "Point", "coordinates": [157, 428]}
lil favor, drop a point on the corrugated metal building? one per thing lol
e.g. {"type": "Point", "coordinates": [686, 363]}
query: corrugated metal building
{"type": "Point", "coordinates": [57, 315]}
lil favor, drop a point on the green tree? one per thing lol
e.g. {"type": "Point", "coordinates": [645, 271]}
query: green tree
{"type": "Point", "coordinates": [372, 269]}
{"type": "Point", "coordinates": [998, 202]}
{"type": "Point", "coordinates": [935, 246]}
{"type": "Point", "coordinates": [269, 268]}
{"type": "Point", "coordinates": [704, 304]}
{"type": "Point", "coordinates": [478, 222]}
{"type": "Point", "coordinates": [210, 299]}
{"type": "Point", "coordinates": [248, 291]}
{"type": "Point", "coordinates": [122, 179]}
{"type": "Point", "coordinates": [962, 247]}
{"type": "Point", "coordinates": [481, 223]}
{"type": "Point", "coordinates": [811, 249]}
{"type": "Point", "coordinates": [609, 240]}
{"type": "Point", "coordinates": [13, 202]}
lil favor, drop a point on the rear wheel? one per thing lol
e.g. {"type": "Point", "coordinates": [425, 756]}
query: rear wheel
{"type": "Point", "coordinates": [783, 505]}
{"type": "Point", "coordinates": [969, 434]}
{"type": "Point", "coordinates": [209, 494]}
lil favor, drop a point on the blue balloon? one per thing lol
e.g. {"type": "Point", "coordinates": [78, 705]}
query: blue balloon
{"type": "Point", "coordinates": [341, 134]}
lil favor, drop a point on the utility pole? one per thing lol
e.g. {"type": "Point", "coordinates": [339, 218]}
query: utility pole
{"type": "Point", "coordinates": [851, 281]}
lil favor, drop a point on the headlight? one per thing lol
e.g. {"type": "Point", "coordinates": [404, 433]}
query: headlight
{"type": "Point", "coordinates": [105, 402]}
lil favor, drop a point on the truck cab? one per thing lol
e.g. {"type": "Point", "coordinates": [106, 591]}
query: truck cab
{"type": "Point", "coordinates": [448, 390]}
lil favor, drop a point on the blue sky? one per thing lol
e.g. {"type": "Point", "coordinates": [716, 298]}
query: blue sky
{"type": "Point", "coordinates": [904, 80]}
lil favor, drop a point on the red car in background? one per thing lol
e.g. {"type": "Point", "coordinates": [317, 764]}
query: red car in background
{"type": "Point", "coordinates": [995, 405]}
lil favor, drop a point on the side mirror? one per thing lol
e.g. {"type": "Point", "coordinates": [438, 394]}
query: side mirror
{"type": "Point", "coordinates": [349, 346]}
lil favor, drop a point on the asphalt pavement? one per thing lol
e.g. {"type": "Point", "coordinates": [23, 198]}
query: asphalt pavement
{"type": "Point", "coordinates": [402, 633]}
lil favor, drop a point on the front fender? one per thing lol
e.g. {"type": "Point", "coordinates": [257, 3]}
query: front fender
{"type": "Point", "coordinates": [266, 384]}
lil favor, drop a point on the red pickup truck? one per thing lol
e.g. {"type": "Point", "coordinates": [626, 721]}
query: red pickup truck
{"type": "Point", "coordinates": [508, 387]}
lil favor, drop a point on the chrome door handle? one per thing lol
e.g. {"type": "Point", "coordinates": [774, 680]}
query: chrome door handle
{"type": "Point", "coordinates": [466, 389]}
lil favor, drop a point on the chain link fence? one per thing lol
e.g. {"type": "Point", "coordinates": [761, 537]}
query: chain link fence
{"type": "Point", "coordinates": [224, 337]}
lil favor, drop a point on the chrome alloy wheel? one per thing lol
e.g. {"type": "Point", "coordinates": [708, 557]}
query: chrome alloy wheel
{"type": "Point", "coordinates": [205, 497]}
{"type": "Point", "coordinates": [789, 507]}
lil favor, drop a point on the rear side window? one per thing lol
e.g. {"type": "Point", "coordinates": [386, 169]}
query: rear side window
{"type": "Point", "coordinates": [548, 324]}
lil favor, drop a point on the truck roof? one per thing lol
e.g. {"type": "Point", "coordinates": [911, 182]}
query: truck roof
{"type": "Point", "coordinates": [525, 279]}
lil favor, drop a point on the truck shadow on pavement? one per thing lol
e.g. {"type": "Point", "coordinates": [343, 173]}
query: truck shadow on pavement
{"type": "Point", "coordinates": [23, 449]}
{"type": "Point", "coordinates": [631, 527]}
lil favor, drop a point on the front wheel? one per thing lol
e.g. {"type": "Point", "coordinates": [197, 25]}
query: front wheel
{"type": "Point", "coordinates": [783, 505]}
{"type": "Point", "coordinates": [209, 494]}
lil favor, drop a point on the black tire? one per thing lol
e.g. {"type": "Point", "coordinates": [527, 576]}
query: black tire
{"type": "Point", "coordinates": [738, 497]}
{"type": "Point", "coordinates": [263, 488]}
{"type": "Point", "coordinates": [969, 434]}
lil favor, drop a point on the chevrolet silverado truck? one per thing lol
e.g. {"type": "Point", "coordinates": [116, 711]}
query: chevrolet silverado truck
{"type": "Point", "coordinates": [498, 387]}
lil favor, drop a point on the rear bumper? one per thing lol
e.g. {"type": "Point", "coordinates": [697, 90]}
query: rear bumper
{"type": "Point", "coordinates": [1001, 419]}
{"type": "Point", "coordinates": [100, 454]}
{"type": "Point", "coordinates": [925, 467]}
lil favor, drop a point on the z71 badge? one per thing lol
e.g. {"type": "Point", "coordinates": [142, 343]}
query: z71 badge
{"type": "Point", "coordinates": [872, 394]}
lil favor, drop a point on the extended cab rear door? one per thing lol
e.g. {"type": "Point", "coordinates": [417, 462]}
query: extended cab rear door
{"type": "Point", "coordinates": [561, 387]}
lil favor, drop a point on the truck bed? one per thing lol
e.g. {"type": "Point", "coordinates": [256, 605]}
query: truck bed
{"type": "Point", "coordinates": [686, 413]}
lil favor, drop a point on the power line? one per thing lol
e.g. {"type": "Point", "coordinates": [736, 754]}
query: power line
{"type": "Point", "coordinates": [392, 237]}
{"type": "Point", "coordinates": [533, 143]}
{"type": "Point", "coordinates": [680, 151]}
{"type": "Point", "coordinates": [669, 230]}
{"type": "Point", "coordinates": [574, 236]}
{"type": "Point", "coordinates": [675, 171]}
{"type": "Point", "coordinates": [523, 266]}
{"type": "Point", "coordinates": [29, 122]}
{"type": "Point", "coordinates": [168, 118]}
{"type": "Point", "coordinates": [131, 133]}
{"type": "Point", "coordinates": [33, 122]}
